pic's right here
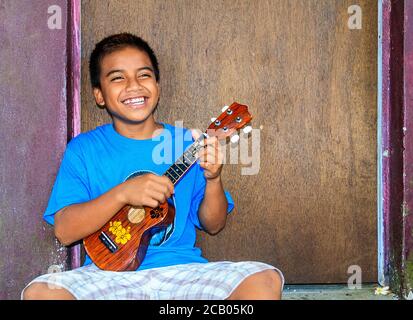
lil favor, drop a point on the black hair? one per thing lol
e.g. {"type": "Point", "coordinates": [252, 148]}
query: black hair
{"type": "Point", "coordinates": [113, 43]}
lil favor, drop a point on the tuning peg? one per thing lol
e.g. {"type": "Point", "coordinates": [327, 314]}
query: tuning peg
{"type": "Point", "coordinates": [224, 108]}
{"type": "Point", "coordinates": [247, 129]}
{"type": "Point", "coordinates": [235, 138]}
{"type": "Point", "coordinates": [213, 119]}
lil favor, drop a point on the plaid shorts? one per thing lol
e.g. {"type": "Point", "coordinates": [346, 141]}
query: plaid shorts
{"type": "Point", "coordinates": [193, 281]}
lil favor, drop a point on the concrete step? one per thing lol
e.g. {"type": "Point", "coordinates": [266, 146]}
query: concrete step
{"type": "Point", "coordinates": [333, 292]}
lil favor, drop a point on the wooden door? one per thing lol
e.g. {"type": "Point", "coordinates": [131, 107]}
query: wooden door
{"type": "Point", "coordinates": [310, 82]}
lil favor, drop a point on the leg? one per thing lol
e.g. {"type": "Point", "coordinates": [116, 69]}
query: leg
{"type": "Point", "coordinates": [42, 291]}
{"type": "Point", "coordinates": [264, 285]}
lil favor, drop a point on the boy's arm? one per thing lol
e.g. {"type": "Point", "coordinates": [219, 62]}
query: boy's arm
{"type": "Point", "coordinates": [78, 221]}
{"type": "Point", "coordinates": [213, 209]}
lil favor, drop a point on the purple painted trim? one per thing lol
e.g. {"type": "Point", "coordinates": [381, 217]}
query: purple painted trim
{"type": "Point", "coordinates": [397, 143]}
{"type": "Point", "coordinates": [395, 187]}
{"type": "Point", "coordinates": [392, 138]}
{"type": "Point", "coordinates": [73, 90]}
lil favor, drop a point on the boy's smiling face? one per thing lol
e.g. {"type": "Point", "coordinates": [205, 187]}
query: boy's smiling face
{"type": "Point", "coordinates": [128, 87]}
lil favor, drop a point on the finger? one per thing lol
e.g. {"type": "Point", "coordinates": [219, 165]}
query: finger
{"type": "Point", "coordinates": [213, 141]}
{"type": "Point", "coordinates": [158, 196]}
{"type": "Point", "coordinates": [200, 152]}
{"type": "Point", "coordinates": [149, 202]}
{"type": "Point", "coordinates": [204, 165]}
{"type": "Point", "coordinates": [209, 155]}
{"type": "Point", "coordinates": [212, 148]}
{"type": "Point", "coordinates": [196, 133]}
{"type": "Point", "coordinates": [213, 155]}
{"type": "Point", "coordinates": [152, 176]}
{"type": "Point", "coordinates": [169, 184]}
{"type": "Point", "coordinates": [163, 181]}
{"type": "Point", "coordinates": [163, 188]}
{"type": "Point", "coordinates": [221, 158]}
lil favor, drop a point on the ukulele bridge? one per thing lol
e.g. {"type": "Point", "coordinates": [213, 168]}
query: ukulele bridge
{"type": "Point", "coordinates": [107, 241]}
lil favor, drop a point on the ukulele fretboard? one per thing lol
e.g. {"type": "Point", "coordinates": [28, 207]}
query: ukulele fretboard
{"type": "Point", "coordinates": [184, 162]}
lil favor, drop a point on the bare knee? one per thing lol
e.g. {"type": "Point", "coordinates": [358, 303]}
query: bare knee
{"type": "Point", "coordinates": [262, 285]}
{"type": "Point", "coordinates": [271, 279]}
{"type": "Point", "coordinates": [42, 291]}
{"type": "Point", "coordinates": [274, 279]}
{"type": "Point", "coordinates": [33, 291]}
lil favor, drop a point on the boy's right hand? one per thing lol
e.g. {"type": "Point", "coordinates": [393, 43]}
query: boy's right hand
{"type": "Point", "coordinates": [146, 190]}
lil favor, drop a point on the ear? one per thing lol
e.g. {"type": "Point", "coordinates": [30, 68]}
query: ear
{"type": "Point", "coordinates": [99, 97]}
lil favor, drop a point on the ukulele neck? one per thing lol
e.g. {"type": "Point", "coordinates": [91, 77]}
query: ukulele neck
{"type": "Point", "coordinates": [176, 171]}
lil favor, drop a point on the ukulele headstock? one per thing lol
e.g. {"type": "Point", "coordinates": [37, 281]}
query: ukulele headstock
{"type": "Point", "coordinates": [232, 119]}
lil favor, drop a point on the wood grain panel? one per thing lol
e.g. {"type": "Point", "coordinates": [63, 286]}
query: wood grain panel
{"type": "Point", "coordinates": [310, 83]}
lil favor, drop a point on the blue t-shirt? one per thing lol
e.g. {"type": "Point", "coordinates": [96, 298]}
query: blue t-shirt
{"type": "Point", "coordinates": [96, 161]}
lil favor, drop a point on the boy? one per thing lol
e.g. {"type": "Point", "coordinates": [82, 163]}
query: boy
{"type": "Point", "coordinates": [113, 165]}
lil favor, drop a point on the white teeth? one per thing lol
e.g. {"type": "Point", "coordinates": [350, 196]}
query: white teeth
{"type": "Point", "coordinates": [134, 101]}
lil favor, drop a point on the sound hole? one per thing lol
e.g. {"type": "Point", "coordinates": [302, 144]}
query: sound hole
{"type": "Point", "coordinates": [136, 214]}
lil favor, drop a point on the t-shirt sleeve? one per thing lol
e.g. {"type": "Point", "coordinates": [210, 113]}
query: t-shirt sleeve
{"type": "Point", "coordinates": [71, 184]}
{"type": "Point", "coordinates": [198, 196]}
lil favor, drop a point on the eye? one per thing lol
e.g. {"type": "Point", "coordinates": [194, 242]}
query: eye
{"type": "Point", "coordinates": [116, 79]}
{"type": "Point", "coordinates": [145, 75]}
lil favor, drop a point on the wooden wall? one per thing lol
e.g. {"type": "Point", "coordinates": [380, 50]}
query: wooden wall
{"type": "Point", "coordinates": [310, 83]}
{"type": "Point", "coordinates": [33, 130]}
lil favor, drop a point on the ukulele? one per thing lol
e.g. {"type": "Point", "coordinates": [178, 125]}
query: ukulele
{"type": "Point", "coordinates": [121, 244]}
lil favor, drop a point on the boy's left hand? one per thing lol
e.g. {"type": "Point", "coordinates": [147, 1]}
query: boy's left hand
{"type": "Point", "coordinates": [210, 157]}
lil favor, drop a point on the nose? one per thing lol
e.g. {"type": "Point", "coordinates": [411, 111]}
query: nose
{"type": "Point", "coordinates": [133, 85]}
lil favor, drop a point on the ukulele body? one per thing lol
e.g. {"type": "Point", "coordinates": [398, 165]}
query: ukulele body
{"type": "Point", "coordinates": [121, 244]}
